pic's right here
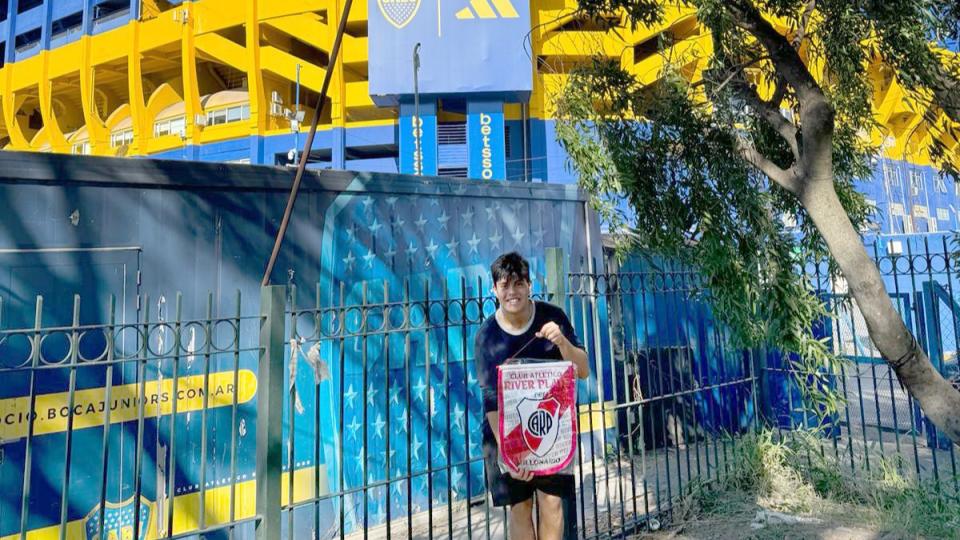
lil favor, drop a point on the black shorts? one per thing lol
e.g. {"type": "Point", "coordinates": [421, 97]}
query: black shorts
{"type": "Point", "coordinates": [506, 490]}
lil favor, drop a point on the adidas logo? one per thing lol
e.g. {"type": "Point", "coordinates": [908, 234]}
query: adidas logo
{"type": "Point", "coordinates": [482, 9]}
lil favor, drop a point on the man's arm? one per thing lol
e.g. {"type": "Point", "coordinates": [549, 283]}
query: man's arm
{"type": "Point", "coordinates": [569, 351]}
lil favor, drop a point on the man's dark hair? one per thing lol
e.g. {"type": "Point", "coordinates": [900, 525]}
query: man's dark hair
{"type": "Point", "coordinates": [510, 265]}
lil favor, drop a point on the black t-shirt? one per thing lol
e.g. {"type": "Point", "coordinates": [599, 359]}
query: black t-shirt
{"type": "Point", "coordinates": [494, 346]}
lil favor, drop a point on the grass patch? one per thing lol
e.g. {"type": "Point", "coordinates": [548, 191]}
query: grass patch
{"type": "Point", "coordinates": [797, 478]}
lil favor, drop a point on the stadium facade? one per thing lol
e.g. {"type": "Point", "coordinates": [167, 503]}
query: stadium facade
{"type": "Point", "coordinates": [239, 81]}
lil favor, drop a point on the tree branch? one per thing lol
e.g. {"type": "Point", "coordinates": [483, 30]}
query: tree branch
{"type": "Point", "coordinates": [770, 112]}
{"type": "Point", "coordinates": [804, 21]}
{"type": "Point", "coordinates": [785, 58]}
{"type": "Point", "coordinates": [786, 179]}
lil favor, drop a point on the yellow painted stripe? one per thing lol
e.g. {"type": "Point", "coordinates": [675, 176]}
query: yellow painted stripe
{"type": "Point", "coordinates": [52, 410]}
{"type": "Point", "coordinates": [483, 9]}
{"type": "Point", "coordinates": [465, 13]}
{"type": "Point", "coordinates": [601, 419]}
{"type": "Point", "coordinates": [185, 507]}
{"type": "Point", "coordinates": [505, 8]}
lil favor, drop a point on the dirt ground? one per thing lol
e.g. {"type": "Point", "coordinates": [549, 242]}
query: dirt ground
{"type": "Point", "coordinates": [740, 516]}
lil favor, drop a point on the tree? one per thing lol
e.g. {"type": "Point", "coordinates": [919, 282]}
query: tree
{"type": "Point", "coordinates": [776, 120]}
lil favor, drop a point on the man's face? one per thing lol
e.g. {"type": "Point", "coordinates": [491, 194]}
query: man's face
{"type": "Point", "coordinates": [512, 293]}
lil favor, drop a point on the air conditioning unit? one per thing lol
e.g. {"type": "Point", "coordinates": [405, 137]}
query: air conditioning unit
{"type": "Point", "coordinates": [275, 97]}
{"type": "Point", "coordinates": [200, 119]}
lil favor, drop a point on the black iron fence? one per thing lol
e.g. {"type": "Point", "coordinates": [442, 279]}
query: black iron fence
{"type": "Point", "coordinates": [355, 412]}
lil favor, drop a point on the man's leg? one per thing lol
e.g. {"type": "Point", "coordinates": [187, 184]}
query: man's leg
{"type": "Point", "coordinates": [521, 521]}
{"type": "Point", "coordinates": [550, 517]}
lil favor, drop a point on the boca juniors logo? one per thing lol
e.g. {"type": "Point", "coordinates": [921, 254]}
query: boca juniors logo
{"type": "Point", "coordinates": [117, 521]}
{"type": "Point", "coordinates": [399, 13]}
{"type": "Point", "coordinates": [538, 425]}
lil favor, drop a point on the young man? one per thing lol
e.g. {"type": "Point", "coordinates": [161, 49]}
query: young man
{"type": "Point", "coordinates": [542, 331]}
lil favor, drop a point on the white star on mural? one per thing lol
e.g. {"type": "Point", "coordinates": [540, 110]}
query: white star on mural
{"type": "Point", "coordinates": [398, 487]}
{"type": "Point", "coordinates": [394, 394]}
{"type": "Point", "coordinates": [392, 200]}
{"type": "Point", "coordinates": [491, 213]}
{"type": "Point", "coordinates": [468, 216]}
{"type": "Point", "coordinates": [441, 451]}
{"type": "Point", "coordinates": [474, 242]}
{"type": "Point", "coordinates": [495, 240]}
{"type": "Point", "coordinates": [369, 257]}
{"type": "Point", "coordinates": [397, 222]}
{"type": "Point", "coordinates": [432, 248]}
{"type": "Point", "coordinates": [516, 206]}
{"type": "Point", "coordinates": [378, 426]}
{"type": "Point", "coordinates": [415, 447]}
{"type": "Point", "coordinates": [367, 201]}
{"type": "Point", "coordinates": [391, 252]}
{"type": "Point", "coordinates": [420, 222]}
{"type": "Point", "coordinates": [350, 395]}
{"type": "Point", "coordinates": [419, 387]}
{"type": "Point", "coordinates": [349, 260]}
{"type": "Point", "coordinates": [455, 477]}
{"type": "Point", "coordinates": [352, 231]}
{"type": "Point", "coordinates": [353, 427]}
{"type": "Point", "coordinates": [411, 249]}
{"type": "Point", "coordinates": [375, 226]}
{"type": "Point", "coordinates": [458, 417]}
{"type": "Point", "coordinates": [518, 236]}
{"type": "Point", "coordinates": [403, 420]}
{"type": "Point", "coordinates": [539, 235]}
{"type": "Point", "coordinates": [371, 395]}
{"type": "Point", "coordinates": [461, 188]}
{"type": "Point", "coordinates": [443, 219]}
{"type": "Point", "coordinates": [452, 246]}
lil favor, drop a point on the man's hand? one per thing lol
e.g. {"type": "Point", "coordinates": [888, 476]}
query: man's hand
{"type": "Point", "coordinates": [523, 475]}
{"type": "Point", "coordinates": [552, 331]}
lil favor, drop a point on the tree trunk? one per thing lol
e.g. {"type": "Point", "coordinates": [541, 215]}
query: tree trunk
{"type": "Point", "coordinates": [939, 400]}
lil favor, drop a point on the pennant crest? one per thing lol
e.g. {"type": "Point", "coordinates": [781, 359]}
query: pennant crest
{"type": "Point", "coordinates": [117, 521]}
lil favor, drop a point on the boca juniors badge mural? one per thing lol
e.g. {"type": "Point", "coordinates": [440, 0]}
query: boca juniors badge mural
{"type": "Point", "coordinates": [118, 521]}
{"type": "Point", "coordinates": [399, 12]}
{"type": "Point", "coordinates": [538, 427]}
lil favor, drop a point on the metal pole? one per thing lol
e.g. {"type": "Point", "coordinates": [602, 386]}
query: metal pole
{"type": "Point", "coordinates": [296, 132]}
{"type": "Point", "coordinates": [417, 124]}
{"type": "Point", "coordinates": [295, 188]}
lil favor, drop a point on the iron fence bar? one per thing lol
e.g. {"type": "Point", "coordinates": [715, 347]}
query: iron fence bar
{"type": "Point", "coordinates": [590, 399]}
{"type": "Point", "coordinates": [835, 343]}
{"type": "Point", "coordinates": [446, 386]}
{"type": "Point", "coordinates": [409, 416]}
{"type": "Point", "coordinates": [234, 428]}
{"type": "Point", "coordinates": [387, 346]}
{"type": "Point", "coordinates": [206, 405]}
{"type": "Point", "coordinates": [292, 396]}
{"type": "Point", "coordinates": [934, 347]}
{"type": "Point", "coordinates": [466, 403]}
{"type": "Point", "coordinates": [638, 394]}
{"type": "Point", "coordinates": [341, 356]}
{"type": "Point", "coordinates": [918, 307]}
{"type": "Point", "coordinates": [28, 450]}
{"type": "Point", "coordinates": [605, 294]}
{"type": "Point", "coordinates": [725, 414]}
{"type": "Point", "coordinates": [907, 312]}
{"type": "Point", "coordinates": [172, 442]}
{"type": "Point", "coordinates": [618, 303]}
{"type": "Point", "coordinates": [108, 386]}
{"type": "Point", "coordinates": [68, 450]}
{"type": "Point", "coordinates": [685, 356]}
{"type": "Point", "coordinates": [956, 343]}
{"type": "Point", "coordinates": [644, 309]}
{"type": "Point", "coordinates": [893, 397]}
{"type": "Point", "coordinates": [141, 391]}
{"type": "Point", "coordinates": [598, 360]}
{"type": "Point", "coordinates": [367, 398]}
{"type": "Point", "coordinates": [317, 438]}
{"type": "Point", "coordinates": [428, 405]}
